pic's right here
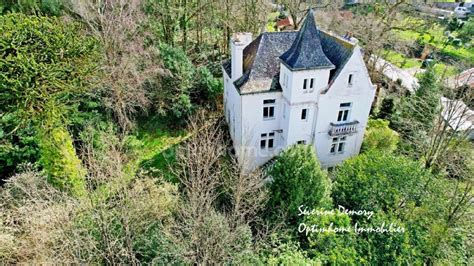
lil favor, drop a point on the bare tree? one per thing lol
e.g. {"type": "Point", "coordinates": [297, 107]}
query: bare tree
{"type": "Point", "coordinates": [127, 62]}
{"type": "Point", "coordinates": [119, 220]}
{"type": "Point", "coordinates": [33, 218]}
{"type": "Point", "coordinates": [247, 192]}
{"type": "Point", "coordinates": [215, 231]}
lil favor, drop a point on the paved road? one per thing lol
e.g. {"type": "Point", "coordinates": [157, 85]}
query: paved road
{"type": "Point", "coordinates": [395, 73]}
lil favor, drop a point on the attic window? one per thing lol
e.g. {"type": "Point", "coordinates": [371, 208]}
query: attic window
{"type": "Point", "coordinates": [350, 79]}
{"type": "Point", "coordinates": [305, 84]}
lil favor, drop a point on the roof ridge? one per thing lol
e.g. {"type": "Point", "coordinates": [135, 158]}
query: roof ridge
{"type": "Point", "coordinates": [338, 37]}
{"type": "Point", "coordinates": [259, 48]}
{"type": "Point", "coordinates": [276, 32]}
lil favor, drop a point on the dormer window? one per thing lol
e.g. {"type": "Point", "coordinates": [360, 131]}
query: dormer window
{"type": "Point", "coordinates": [350, 80]}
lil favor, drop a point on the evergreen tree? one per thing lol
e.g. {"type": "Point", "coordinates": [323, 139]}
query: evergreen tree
{"type": "Point", "coordinates": [44, 61]}
{"type": "Point", "coordinates": [297, 180]}
{"type": "Point", "coordinates": [417, 114]}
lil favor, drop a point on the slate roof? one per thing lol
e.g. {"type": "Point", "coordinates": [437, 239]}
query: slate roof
{"type": "Point", "coordinates": [337, 50]}
{"type": "Point", "coordinates": [227, 67]}
{"type": "Point", "coordinates": [261, 58]}
{"type": "Point", "coordinates": [306, 51]}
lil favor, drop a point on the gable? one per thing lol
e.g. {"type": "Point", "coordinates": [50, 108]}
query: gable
{"type": "Point", "coordinates": [353, 65]}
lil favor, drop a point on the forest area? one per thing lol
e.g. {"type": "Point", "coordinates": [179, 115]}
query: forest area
{"type": "Point", "coordinates": [114, 149]}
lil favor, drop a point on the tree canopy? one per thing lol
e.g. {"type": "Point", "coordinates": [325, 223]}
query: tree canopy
{"type": "Point", "coordinates": [297, 179]}
{"type": "Point", "coordinates": [45, 61]}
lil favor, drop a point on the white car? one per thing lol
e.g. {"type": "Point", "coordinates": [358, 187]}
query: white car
{"type": "Point", "coordinates": [461, 12]}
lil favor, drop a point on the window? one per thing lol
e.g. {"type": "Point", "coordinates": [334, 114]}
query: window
{"type": "Point", "coordinates": [233, 125]}
{"type": "Point", "coordinates": [271, 139]}
{"type": "Point", "coordinates": [302, 142]}
{"type": "Point", "coordinates": [304, 114]}
{"type": "Point", "coordinates": [305, 85]}
{"type": "Point", "coordinates": [268, 109]}
{"type": "Point", "coordinates": [263, 141]}
{"type": "Point", "coordinates": [267, 140]}
{"type": "Point", "coordinates": [338, 145]}
{"type": "Point", "coordinates": [344, 110]}
{"type": "Point", "coordinates": [350, 79]}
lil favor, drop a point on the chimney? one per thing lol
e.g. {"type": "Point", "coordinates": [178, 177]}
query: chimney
{"type": "Point", "coordinates": [237, 44]}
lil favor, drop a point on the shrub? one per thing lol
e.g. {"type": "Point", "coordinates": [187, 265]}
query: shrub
{"type": "Point", "coordinates": [47, 7]}
{"type": "Point", "coordinates": [378, 181]}
{"type": "Point", "coordinates": [467, 31]}
{"type": "Point", "coordinates": [59, 159]}
{"type": "Point", "coordinates": [379, 136]}
{"type": "Point", "coordinates": [206, 86]}
{"type": "Point", "coordinates": [16, 146]}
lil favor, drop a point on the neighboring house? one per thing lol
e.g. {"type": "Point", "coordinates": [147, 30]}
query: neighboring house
{"type": "Point", "coordinates": [285, 24]}
{"type": "Point", "coordinates": [306, 87]}
{"type": "Point", "coordinates": [466, 78]}
{"type": "Point", "coordinates": [458, 116]}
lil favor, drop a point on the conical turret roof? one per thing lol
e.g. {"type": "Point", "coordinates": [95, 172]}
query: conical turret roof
{"type": "Point", "coordinates": [306, 51]}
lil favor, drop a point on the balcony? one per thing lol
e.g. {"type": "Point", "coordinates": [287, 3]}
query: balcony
{"type": "Point", "coordinates": [341, 129]}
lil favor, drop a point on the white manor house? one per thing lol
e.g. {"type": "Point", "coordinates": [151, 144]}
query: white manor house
{"type": "Point", "coordinates": [296, 87]}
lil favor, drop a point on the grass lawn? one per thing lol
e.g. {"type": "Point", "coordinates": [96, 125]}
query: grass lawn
{"type": "Point", "coordinates": [445, 70]}
{"type": "Point", "coordinates": [400, 60]}
{"type": "Point", "coordinates": [436, 38]}
{"type": "Point", "coordinates": [153, 144]}
{"type": "Point", "coordinates": [442, 71]}
{"type": "Point", "coordinates": [155, 136]}
{"type": "Point", "coordinates": [156, 146]}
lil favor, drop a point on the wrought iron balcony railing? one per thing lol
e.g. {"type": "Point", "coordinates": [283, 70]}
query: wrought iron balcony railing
{"type": "Point", "coordinates": [341, 129]}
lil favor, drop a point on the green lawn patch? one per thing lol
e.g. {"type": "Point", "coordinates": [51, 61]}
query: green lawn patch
{"type": "Point", "coordinates": [436, 38]}
{"type": "Point", "coordinates": [400, 60]}
{"type": "Point", "coordinates": [443, 70]}
{"type": "Point", "coordinates": [155, 136]}
{"type": "Point", "coordinates": [153, 146]}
